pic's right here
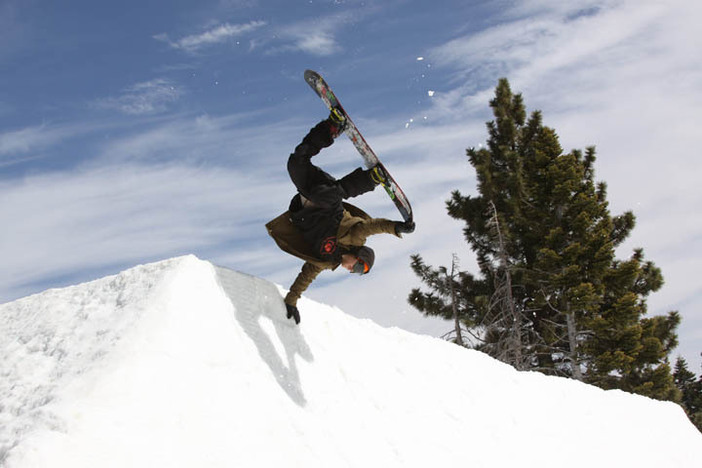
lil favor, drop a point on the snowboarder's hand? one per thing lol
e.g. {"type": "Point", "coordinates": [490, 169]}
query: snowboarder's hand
{"type": "Point", "coordinates": [293, 313]}
{"type": "Point", "coordinates": [404, 227]}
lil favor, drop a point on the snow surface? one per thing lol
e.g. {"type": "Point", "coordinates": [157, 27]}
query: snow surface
{"type": "Point", "coordinates": [182, 363]}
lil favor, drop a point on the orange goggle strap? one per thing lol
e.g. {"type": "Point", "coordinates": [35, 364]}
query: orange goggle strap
{"type": "Point", "coordinates": [361, 267]}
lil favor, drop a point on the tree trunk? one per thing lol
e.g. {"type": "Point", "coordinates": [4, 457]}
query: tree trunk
{"type": "Point", "coordinates": [573, 344]}
{"type": "Point", "coordinates": [456, 321]}
{"type": "Point", "coordinates": [511, 314]}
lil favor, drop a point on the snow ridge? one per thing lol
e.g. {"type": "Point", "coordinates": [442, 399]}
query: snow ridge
{"type": "Point", "coordinates": [183, 363]}
{"type": "Point", "coordinates": [49, 340]}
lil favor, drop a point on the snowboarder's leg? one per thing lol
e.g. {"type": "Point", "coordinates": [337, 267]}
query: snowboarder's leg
{"type": "Point", "coordinates": [310, 180]}
{"type": "Point", "coordinates": [320, 136]}
{"type": "Point", "coordinates": [357, 183]}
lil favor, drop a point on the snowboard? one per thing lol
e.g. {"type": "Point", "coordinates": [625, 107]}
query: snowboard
{"type": "Point", "coordinates": [370, 159]}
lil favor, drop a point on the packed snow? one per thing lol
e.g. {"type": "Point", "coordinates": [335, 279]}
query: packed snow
{"type": "Point", "coordinates": [182, 363]}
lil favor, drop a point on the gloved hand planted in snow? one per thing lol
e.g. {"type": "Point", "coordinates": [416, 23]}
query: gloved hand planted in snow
{"type": "Point", "coordinates": [293, 313]}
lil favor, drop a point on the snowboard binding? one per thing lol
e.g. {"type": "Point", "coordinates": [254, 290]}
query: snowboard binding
{"type": "Point", "coordinates": [338, 122]}
{"type": "Point", "coordinates": [378, 175]}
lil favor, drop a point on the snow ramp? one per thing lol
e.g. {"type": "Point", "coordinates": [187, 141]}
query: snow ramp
{"type": "Point", "coordinates": [185, 364]}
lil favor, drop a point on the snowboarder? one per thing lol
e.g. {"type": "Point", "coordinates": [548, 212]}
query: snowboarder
{"type": "Point", "coordinates": [319, 227]}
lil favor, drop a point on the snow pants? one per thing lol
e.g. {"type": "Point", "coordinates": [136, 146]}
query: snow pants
{"type": "Point", "coordinates": [315, 184]}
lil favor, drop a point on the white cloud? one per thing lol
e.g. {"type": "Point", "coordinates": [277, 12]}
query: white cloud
{"type": "Point", "coordinates": [315, 37]}
{"type": "Point", "coordinates": [21, 141]}
{"type": "Point", "coordinates": [216, 35]}
{"type": "Point", "coordinates": [78, 220]}
{"type": "Point", "coordinates": [222, 139]}
{"type": "Point", "coordinates": [318, 43]}
{"type": "Point", "coordinates": [148, 97]}
{"type": "Point", "coordinates": [30, 142]}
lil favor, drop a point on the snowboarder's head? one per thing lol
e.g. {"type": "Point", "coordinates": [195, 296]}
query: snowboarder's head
{"type": "Point", "coordinates": [359, 262]}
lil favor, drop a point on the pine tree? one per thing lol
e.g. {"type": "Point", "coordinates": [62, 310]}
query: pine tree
{"type": "Point", "coordinates": [451, 297]}
{"type": "Point", "coordinates": [691, 391]}
{"type": "Point", "coordinates": [630, 352]}
{"type": "Point", "coordinates": [576, 310]}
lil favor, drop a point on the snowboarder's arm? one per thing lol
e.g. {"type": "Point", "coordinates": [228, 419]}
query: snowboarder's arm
{"type": "Point", "coordinates": [302, 282]}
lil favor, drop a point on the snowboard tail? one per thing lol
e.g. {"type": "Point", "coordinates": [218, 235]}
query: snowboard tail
{"type": "Point", "coordinates": [380, 173]}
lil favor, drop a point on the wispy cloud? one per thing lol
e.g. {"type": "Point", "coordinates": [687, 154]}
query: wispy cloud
{"type": "Point", "coordinates": [538, 43]}
{"type": "Point", "coordinates": [316, 36]}
{"type": "Point", "coordinates": [225, 139]}
{"type": "Point", "coordinates": [317, 39]}
{"type": "Point", "coordinates": [148, 97]}
{"type": "Point", "coordinates": [179, 185]}
{"type": "Point", "coordinates": [21, 141]}
{"type": "Point", "coordinates": [79, 220]}
{"type": "Point", "coordinates": [27, 143]}
{"type": "Point", "coordinates": [217, 35]}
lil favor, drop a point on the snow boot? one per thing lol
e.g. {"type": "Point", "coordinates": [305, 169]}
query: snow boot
{"type": "Point", "coordinates": [337, 122]}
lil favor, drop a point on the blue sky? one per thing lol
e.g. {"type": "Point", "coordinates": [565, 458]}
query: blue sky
{"type": "Point", "coordinates": [136, 131]}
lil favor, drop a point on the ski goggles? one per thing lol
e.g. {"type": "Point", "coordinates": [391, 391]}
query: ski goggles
{"type": "Point", "coordinates": [361, 267]}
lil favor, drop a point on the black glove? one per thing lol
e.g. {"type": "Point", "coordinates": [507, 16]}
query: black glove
{"type": "Point", "coordinates": [404, 227]}
{"type": "Point", "coordinates": [293, 313]}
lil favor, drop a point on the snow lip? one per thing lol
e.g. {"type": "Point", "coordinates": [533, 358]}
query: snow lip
{"type": "Point", "coordinates": [56, 339]}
